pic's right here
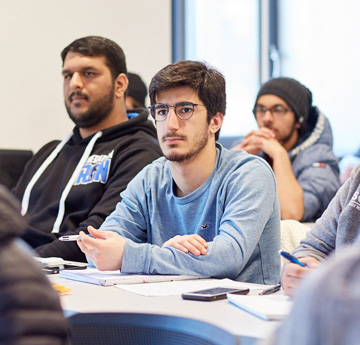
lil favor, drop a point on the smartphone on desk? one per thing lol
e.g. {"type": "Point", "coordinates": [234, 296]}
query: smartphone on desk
{"type": "Point", "coordinates": [213, 294]}
{"type": "Point", "coordinates": [57, 269]}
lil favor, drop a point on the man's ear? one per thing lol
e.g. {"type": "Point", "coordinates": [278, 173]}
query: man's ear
{"type": "Point", "coordinates": [216, 122]}
{"type": "Point", "coordinates": [121, 85]}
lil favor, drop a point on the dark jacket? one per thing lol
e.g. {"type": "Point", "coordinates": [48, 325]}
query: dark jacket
{"type": "Point", "coordinates": [30, 311]}
{"type": "Point", "coordinates": [98, 178]}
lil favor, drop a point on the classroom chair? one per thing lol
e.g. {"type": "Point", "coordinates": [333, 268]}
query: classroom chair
{"type": "Point", "coordinates": [144, 329]}
{"type": "Point", "coordinates": [12, 164]}
{"type": "Point", "coordinates": [292, 232]}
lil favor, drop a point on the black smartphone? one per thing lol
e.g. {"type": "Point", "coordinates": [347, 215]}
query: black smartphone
{"type": "Point", "coordinates": [57, 269]}
{"type": "Point", "coordinates": [73, 267]}
{"type": "Point", "coordinates": [213, 293]}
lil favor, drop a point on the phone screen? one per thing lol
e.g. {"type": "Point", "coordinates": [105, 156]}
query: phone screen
{"type": "Point", "coordinates": [213, 293]}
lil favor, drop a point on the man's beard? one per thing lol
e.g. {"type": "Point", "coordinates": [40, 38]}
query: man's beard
{"type": "Point", "coordinates": [285, 140]}
{"type": "Point", "coordinates": [97, 112]}
{"type": "Point", "coordinates": [194, 151]}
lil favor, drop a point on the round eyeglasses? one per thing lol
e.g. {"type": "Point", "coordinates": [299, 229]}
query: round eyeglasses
{"type": "Point", "coordinates": [183, 110]}
{"type": "Point", "coordinates": [277, 111]}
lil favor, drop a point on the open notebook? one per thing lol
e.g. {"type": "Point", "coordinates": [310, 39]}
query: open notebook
{"type": "Point", "coordinates": [105, 278]}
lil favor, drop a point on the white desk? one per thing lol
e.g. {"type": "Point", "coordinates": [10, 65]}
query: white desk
{"type": "Point", "coordinates": [92, 298]}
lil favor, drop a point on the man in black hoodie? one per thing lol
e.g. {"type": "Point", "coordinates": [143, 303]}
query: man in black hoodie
{"type": "Point", "coordinates": [75, 183]}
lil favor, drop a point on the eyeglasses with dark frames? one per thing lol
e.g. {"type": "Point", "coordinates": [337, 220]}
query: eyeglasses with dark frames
{"type": "Point", "coordinates": [277, 111]}
{"type": "Point", "coordinates": [183, 110]}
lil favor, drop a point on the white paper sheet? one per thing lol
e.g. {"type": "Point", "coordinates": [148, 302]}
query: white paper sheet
{"type": "Point", "coordinates": [178, 287]}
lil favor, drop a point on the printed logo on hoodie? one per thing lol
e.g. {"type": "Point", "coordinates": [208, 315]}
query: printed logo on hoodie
{"type": "Point", "coordinates": [96, 169]}
{"type": "Point", "coordinates": [355, 200]}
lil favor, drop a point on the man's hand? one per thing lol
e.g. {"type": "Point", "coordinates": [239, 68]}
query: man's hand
{"type": "Point", "coordinates": [293, 274]}
{"type": "Point", "coordinates": [255, 141]}
{"type": "Point", "coordinates": [194, 244]}
{"type": "Point", "coordinates": [105, 251]}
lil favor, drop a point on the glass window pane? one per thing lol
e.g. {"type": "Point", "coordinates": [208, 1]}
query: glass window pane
{"type": "Point", "coordinates": [319, 46]}
{"type": "Point", "coordinates": [225, 34]}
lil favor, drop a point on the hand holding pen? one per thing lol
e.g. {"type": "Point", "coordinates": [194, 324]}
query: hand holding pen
{"type": "Point", "coordinates": [294, 271]}
{"type": "Point", "coordinates": [292, 259]}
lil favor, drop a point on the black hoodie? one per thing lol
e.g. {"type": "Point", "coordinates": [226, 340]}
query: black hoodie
{"type": "Point", "coordinates": [81, 185]}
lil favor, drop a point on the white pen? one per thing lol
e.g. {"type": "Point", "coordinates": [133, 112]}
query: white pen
{"type": "Point", "coordinates": [71, 238]}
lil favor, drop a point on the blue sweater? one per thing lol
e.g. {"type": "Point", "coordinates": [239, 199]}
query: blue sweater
{"type": "Point", "coordinates": [235, 210]}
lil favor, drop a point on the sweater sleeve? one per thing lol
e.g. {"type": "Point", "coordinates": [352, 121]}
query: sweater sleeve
{"type": "Point", "coordinates": [321, 240]}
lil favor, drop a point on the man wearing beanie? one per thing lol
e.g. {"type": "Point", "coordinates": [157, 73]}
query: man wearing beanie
{"type": "Point", "coordinates": [296, 140]}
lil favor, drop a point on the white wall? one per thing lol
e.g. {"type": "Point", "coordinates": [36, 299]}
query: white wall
{"type": "Point", "coordinates": [32, 35]}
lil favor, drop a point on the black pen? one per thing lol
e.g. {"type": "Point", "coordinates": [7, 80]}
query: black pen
{"type": "Point", "coordinates": [271, 290]}
{"type": "Point", "coordinates": [291, 258]}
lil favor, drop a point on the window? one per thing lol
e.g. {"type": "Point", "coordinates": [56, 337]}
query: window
{"type": "Point", "coordinates": [314, 42]}
{"type": "Point", "coordinates": [225, 34]}
{"type": "Point", "coordinates": [319, 45]}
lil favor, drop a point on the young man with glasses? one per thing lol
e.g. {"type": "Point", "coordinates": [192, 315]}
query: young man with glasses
{"type": "Point", "coordinates": [296, 140]}
{"type": "Point", "coordinates": [201, 209]}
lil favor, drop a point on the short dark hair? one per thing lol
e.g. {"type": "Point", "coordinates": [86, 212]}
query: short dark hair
{"type": "Point", "coordinates": [99, 46]}
{"type": "Point", "coordinates": [207, 81]}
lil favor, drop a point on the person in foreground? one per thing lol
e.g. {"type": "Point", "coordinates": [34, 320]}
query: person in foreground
{"type": "Point", "coordinates": [338, 227]}
{"type": "Point", "coordinates": [201, 209]}
{"type": "Point", "coordinates": [30, 311]}
{"type": "Point", "coordinates": [326, 309]}
{"type": "Point", "coordinates": [75, 183]}
{"type": "Point", "coordinates": [296, 139]}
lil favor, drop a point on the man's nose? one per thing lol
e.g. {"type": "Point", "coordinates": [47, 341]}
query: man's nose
{"type": "Point", "coordinates": [172, 121]}
{"type": "Point", "coordinates": [76, 81]}
{"type": "Point", "coordinates": [268, 116]}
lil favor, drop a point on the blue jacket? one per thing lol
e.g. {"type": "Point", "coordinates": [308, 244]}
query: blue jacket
{"type": "Point", "coordinates": [236, 210]}
{"type": "Point", "coordinates": [315, 166]}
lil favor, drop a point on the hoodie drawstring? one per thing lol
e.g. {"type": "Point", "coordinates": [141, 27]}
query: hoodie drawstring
{"type": "Point", "coordinates": [66, 191]}
{"type": "Point", "coordinates": [46, 163]}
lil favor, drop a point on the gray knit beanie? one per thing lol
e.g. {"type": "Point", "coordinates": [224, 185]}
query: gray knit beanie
{"type": "Point", "coordinates": [296, 95]}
